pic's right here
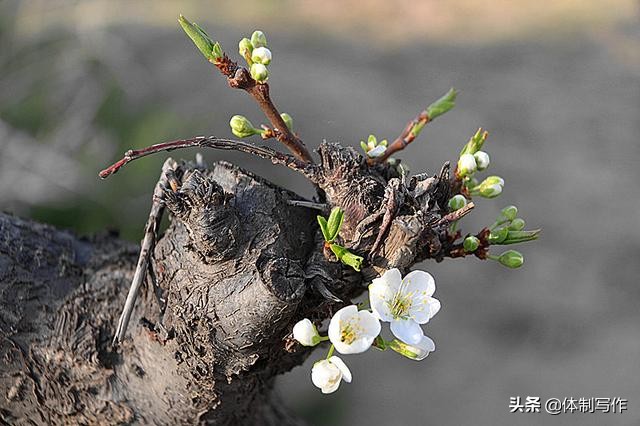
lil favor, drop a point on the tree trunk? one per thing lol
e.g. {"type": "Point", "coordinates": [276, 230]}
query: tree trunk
{"type": "Point", "coordinates": [209, 331]}
{"type": "Point", "coordinates": [237, 267]}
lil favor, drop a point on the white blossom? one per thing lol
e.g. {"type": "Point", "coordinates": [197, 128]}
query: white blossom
{"type": "Point", "coordinates": [352, 331]}
{"type": "Point", "coordinates": [405, 303]}
{"type": "Point", "coordinates": [326, 374]}
{"type": "Point", "coordinates": [306, 333]}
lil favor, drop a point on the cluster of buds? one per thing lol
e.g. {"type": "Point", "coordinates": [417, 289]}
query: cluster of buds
{"type": "Point", "coordinates": [372, 148]}
{"type": "Point", "coordinates": [406, 303]}
{"type": "Point", "coordinates": [509, 229]}
{"type": "Point", "coordinates": [257, 55]}
{"type": "Point", "coordinates": [330, 229]}
{"type": "Point", "coordinates": [472, 159]}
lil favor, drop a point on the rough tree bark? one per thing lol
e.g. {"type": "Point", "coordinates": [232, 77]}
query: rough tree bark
{"type": "Point", "coordinates": [237, 267]}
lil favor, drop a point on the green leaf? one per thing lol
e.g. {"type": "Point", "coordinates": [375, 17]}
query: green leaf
{"type": "Point", "coordinates": [380, 343]}
{"type": "Point", "coordinates": [475, 143]}
{"type": "Point", "coordinates": [334, 223]}
{"type": "Point", "coordinates": [346, 257]}
{"type": "Point", "coordinates": [442, 105]}
{"type": "Point", "coordinates": [515, 237]}
{"type": "Point", "coordinates": [323, 227]}
{"type": "Point", "coordinates": [201, 39]}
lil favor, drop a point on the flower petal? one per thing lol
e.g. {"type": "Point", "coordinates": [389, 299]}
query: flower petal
{"type": "Point", "coordinates": [331, 387]}
{"type": "Point", "coordinates": [335, 326]}
{"type": "Point", "coordinates": [381, 292]}
{"type": "Point", "coordinates": [423, 309]}
{"type": "Point", "coordinates": [427, 344]}
{"type": "Point", "coordinates": [370, 324]}
{"type": "Point", "coordinates": [434, 306]}
{"type": "Point", "coordinates": [420, 283]}
{"type": "Point", "coordinates": [407, 330]}
{"type": "Point", "coordinates": [338, 362]}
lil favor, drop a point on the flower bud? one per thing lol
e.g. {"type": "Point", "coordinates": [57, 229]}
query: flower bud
{"type": "Point", "coordinates": [306, 333]}
{"type": "Point", "coordinates": [242, 127]}
{"type": "Point", "coordinates": [467, 165]}
{"type": "Point", "coordinates": [511, 259]}
{"type": "Point", "coordinates": [498, 236]}
{"type": "Point", "coordinates": [245, 48]}
{"type": "Point", "coordinates": [261, 55]}
{"type": "Point", "coordinates": [493, 180]}
{"type": "Point", "coordinates": [258, 39]}
{"type": "Point", "coordinates": [259, 73]}
{"type": "Point", "coordinates": [517, 224]}
{"type": "Point", "coordinates": [491, 187]}
{"type": "Point", "coordinates": [457, 202]}
{"type": "Point", "coordinates": [287, 120]}
{"type": "Point", "coordinates": [509, 212]}
{"type": "Point", "coordinates": [491, 191]}
{"type": "Point", "coordinates": [482, 159]}
{"type": "Point", "coordinates": [470, 244]}
{"type": "Point", "coordinates": [416, 352]}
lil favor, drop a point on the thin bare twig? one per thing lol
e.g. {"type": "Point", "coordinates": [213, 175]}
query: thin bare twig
{"type": "Point", "coordinates": [150, 230]}
{"type": "Point", "coordinates": [211, 142]}
{"type": "Point", "coordinates": [407, 136]}
{"type": "Point", "coordinates": [456, 215]}
{"type": "Point", "coordinates": [308, 204]}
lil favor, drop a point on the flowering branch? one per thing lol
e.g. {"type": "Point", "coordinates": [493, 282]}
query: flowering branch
{"type": "Point", "coordinates": [254, 82]}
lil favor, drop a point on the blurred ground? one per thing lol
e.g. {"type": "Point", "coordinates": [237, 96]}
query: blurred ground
{"type": "Point", "coordinates": [558, 87]}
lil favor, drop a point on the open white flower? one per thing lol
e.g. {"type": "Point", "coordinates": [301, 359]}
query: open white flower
{"type": "Point", "coordinates": [306, 333]}
{"type": "Point", "coordinates": [326, 374]}
{"type": "Point", "coordinates": [405, 303]}
{"type": "Point", "coordinates": [352, 331]}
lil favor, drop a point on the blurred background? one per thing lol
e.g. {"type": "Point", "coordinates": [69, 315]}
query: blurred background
{"type": "Point", "coordinates": [557, 84]}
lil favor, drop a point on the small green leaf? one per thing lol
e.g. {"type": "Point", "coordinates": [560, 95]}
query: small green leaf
{"type": "Point", "coordinates": [335, 223]}
{"type": "Point", "coordinates": [380, 343]}
{"type": "Point", "coordinates": [323, 227]}
{"type": "Point", "coordinates": [516, 237]}
{"type": "Point", "coordinates": [475, 143]}
{"type": "Point", "coordinates": [346, 257]}
{"type": "Point", "coordinates": [201, 39]}
{"type": "Point", "coordinates": [442, 105]}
